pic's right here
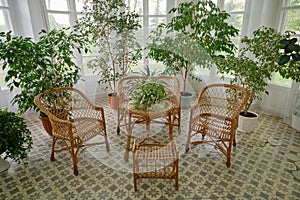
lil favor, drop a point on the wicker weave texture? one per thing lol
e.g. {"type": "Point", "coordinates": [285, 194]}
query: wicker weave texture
{"type": "Point", "coordinates": [156, 162]}
{"type": "Point", "coordinates": [127, 85]}
{"type": "Point", "coordinates": [215, 116]}
{"type": "Point", "coordinates": [74, 119]}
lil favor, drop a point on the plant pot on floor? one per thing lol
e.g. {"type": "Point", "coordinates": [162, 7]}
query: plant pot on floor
{"type": "Point", "coordinates": [46, 124]}
{"type": "Point", "coordinates": [4, 164]}
{"type": "Point", "coordinates": [113, 101]}
{"type": "Point", "coordinates": [186, 100]}
{"type": "Point", "coordinates": [247, 123]}
{"type": "Point", "coordinates": [296, 122]}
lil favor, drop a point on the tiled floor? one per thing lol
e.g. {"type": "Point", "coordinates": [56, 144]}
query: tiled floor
{"type": "Point", "coordinates": [265, 165]}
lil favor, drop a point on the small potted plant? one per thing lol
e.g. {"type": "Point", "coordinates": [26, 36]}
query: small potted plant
{"type": "Point", "coordinates": [149, 95]}
{"type": "Point", "coordinates": [34, 67]}
{"type": "Point", "coordinates": [110, 27]}
{"type": "Point", "coordinates": [15, 138]}
{"type": "Point", "coordinates": [193, 37]}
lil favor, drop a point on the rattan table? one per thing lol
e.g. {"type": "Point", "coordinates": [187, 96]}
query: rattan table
{"type": "Point", "coordinates": [138, 116]}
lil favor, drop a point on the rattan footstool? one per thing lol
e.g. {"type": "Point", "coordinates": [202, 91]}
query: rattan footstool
{"type": "Point", "coordinates": [155, 162]}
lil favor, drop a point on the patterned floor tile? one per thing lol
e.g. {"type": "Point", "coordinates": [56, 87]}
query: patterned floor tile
{"type": "Point", "coordinates": [265, 165]}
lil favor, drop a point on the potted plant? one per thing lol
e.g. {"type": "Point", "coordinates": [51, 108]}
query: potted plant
{"type": "Point", "coordinates": [110, 27]}
{"type": "Point", "coordinates": [34, 67]}
{"type": "Point", "coordinates": [15, 138]}
{"type": "Point", "coordinates": [193, 37]}
{"type": "Point", "coordinates": [253, 73]}
{"type": "Point", "coordinates": [149, 95]}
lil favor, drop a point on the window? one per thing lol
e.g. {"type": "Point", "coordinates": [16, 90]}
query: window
{"type": "Point", "coordinates": [5, 25]}
{"type": "Point", "coordinates": [64, 13]}
{"type": "Point", "coordinates": [152, 13]}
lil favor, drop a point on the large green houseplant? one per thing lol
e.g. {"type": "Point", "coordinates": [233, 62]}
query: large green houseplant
{"type": "Point", "coordinates": [196, 33]}
{"type": "Point", "coordinates": [15, 138]}
{"type": "Point", "coordinates": [110, 27]}
{"type": "Point", "coordinates": [34, 67]}
{"type": "Point", "coordinates": [254, 65]}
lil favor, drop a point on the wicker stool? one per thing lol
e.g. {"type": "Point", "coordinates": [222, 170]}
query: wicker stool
{"type": "Point", "coordinates": [155, 162]}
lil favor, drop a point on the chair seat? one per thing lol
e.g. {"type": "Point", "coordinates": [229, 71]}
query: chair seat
{"type": "Point", "coordinates": [156, 162]}
{"type": "Point", "coordinates": [213, 126]}
{"type": "Point", "coordinates": [86, 130]}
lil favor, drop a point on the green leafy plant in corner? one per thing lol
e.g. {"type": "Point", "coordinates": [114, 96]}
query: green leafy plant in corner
{"type": "Point", "coordinates": [34, 67]}
{"type": "Point", "coordinates": [15, 137]}
{"type": "Point", "coordinates": [196, 33]}
{"type": "Point", "coordinates": [253, 67]}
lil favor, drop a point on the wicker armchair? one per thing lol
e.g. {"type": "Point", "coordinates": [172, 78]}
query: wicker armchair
{"type": "Point", "coordinates": [125, 89]}
{"type": "Point", "coordinates": [215, 117]}
{"type": "Point", "coordinates": [74, 119]}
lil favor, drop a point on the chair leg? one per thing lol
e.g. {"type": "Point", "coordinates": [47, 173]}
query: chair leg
{"type": "Point", "coordinates": [75, 161]}
{"type": "Point", "coordinates": [135, 182]}
{"type": "Point", "coordinates": [52, 149]}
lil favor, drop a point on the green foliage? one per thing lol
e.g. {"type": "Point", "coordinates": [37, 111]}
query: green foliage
{"type": "Point", "coordinates": [15, 138]}
{"type": "Point", "coordinates": [253, 73]}
{"type": "Point", "coordinates": [34, 67]}
{"type": "Point", "coordinates": [195, 34]}
{"type": "Point", "coordinates": [289, 60]}
{"type": "Point", "coordinates": [110, 26]}
{"type": "Point", "coordinates": [148, 94]}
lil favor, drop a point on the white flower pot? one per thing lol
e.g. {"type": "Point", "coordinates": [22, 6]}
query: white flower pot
{"type": "Point", "coordinates": [4, 164]}
{"type": "Point", "coordinates": [247, 124]}
{"type": "Point", "coordinates": [186, 101]}
{"type": "Point", "coordinates": [296, 122]}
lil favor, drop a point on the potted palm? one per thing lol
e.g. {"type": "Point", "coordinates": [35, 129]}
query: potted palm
{"type": "Point", "coordinates": [253, 73]}
{"type": "Point", "coordinates": [15, 138]}
{"type": "Point", "coordinates": [110, 27]}
{"type": "Point", "coordinates": [193, 37]}
{"type": "Point", "coordinates": [34, 67]}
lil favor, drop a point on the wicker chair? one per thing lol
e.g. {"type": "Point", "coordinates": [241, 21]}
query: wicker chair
{"type": "Point", "coordinates": [74, 119]}
{"type": "Point", "coordinates": [215, 117]}
{"type": "Point", "coordinates": [125, 87]}
{"type": "Point", "coordinates": [155, 162]}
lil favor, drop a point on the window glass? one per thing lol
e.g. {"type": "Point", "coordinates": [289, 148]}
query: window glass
{"type": "Point", "coordinates": [154, 21]}
{"type": "Point", "coordinates": [277, 78]}
{"type": "Point", "coordinates": [294, 2]}
{"type": "Point", "coordinates": [293, 21]}
{"type": "Point", "coordinates": [60, 5]}
{"type": "Point", "coordinates": [234, 5]}
{"type": "Point", "coordinates": [4, 20]}
{"type": "Point", "coordinates": [158, 7]}
{"type": "Point", "coordinates": [79, 5]}
{"type": "Point", "coordinates": [59, 21]}
{"type": "Point", "coordinates": [3, 3]}
{"type": "Point", "coordinates": [135, 6]}
{"type": "Point", "coordinates": [237, 21]}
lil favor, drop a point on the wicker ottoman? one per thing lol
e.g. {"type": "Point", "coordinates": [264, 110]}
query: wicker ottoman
{"type": "Point", "coordinates": [155, 162]}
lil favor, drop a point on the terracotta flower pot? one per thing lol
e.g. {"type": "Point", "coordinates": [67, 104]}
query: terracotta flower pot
{"type": "Point", "coordinates": [113, 101]}
{"type": "Point", "coordinates": [47, 124]}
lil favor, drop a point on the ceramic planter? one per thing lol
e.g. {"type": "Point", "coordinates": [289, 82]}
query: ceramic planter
{"type": "Point", "coordinates": [186, 100]}
{"type": "Point", "coordinates": [113, 101]}
{"type": "Point", "coordinates": [247, 123]}
{"type": "Point", "coordinates": [46, 124]}
{"type": "Point", "coordinates": [296, 122]}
